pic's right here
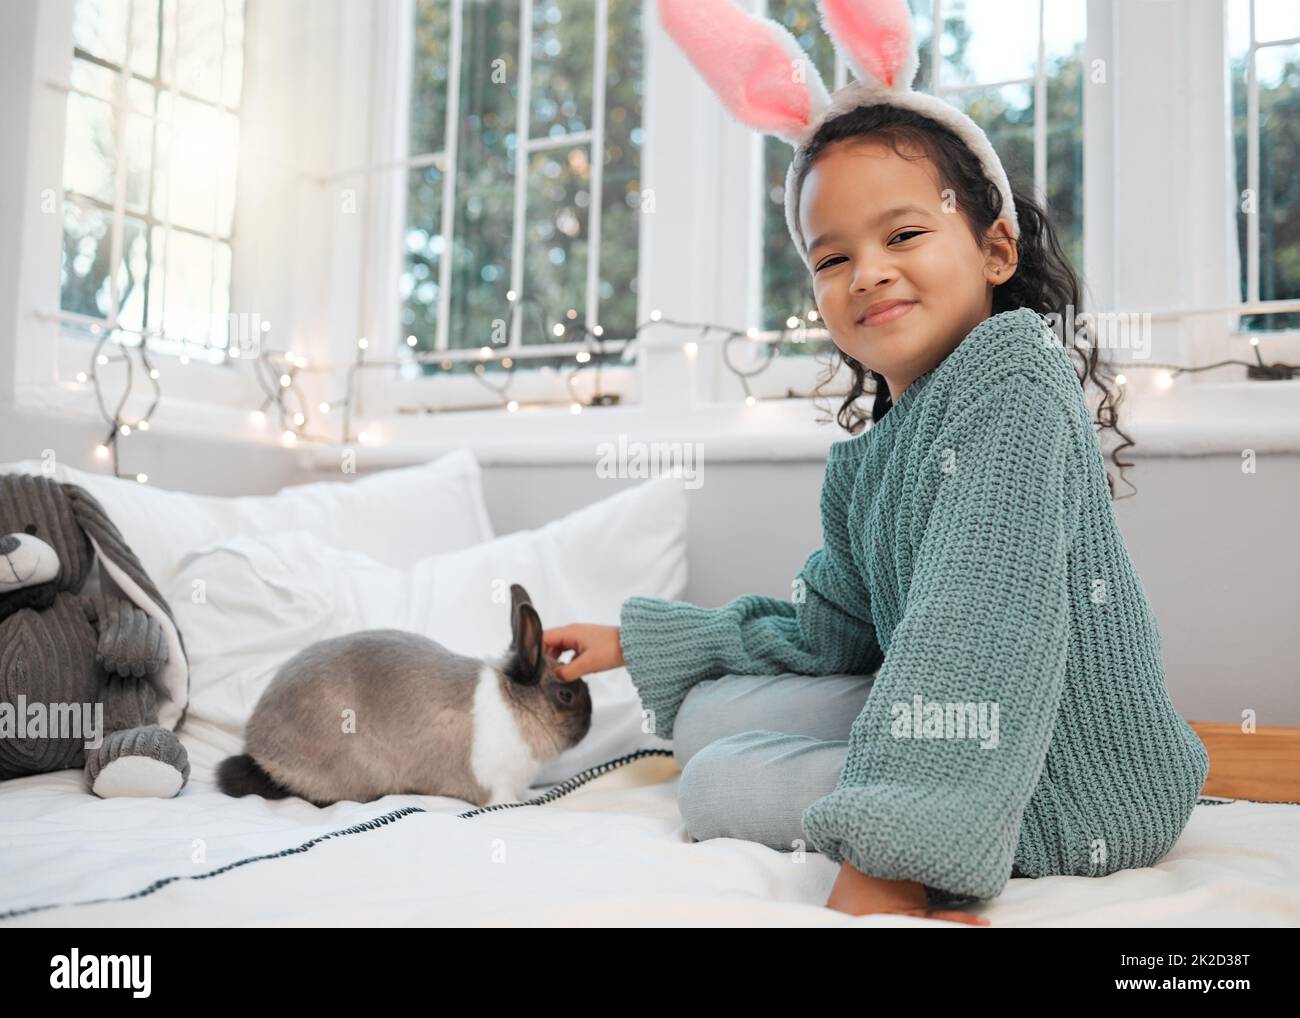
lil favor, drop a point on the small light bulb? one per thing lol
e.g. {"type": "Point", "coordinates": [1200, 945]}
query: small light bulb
{"type": "Point", "coordinates": [288, 438]}
{"type": "Point", "coordinates": [1121, 379]}
{"type": "Point", "coordinates": [557, 329]}
{"type": "Point", "coordinates": [364, 436]}
{"type": "Point", "coordinates": [597, 330]}
{"type": "Point", "coordinates": [125, 429]}
{"type": "Point", "coordinates": [101, 451]}
{"type": "Point", "coordinates": [792, 322]}
{"type": "Point", "coordinates": [266, 326]}
{"type": "Point", "coordinates": [363, 343]}
{"type": "Point", "coordinates": [655, 315]}
{"type": "Point", "coordinates": [750, 401]}
{"type": "Point", "coordinates": [285, 381]}
{"type": "Point", "coordinates": [582, 356]}
{"type": "Point", "coordinates": [691, 349]}
{"type": "Point", "coordinates": [575, 408]}
{"type": "Point", "coordinates": [324, 408]}
{"type": "Point", "coordinates": [81, 376]}
{"type": "Point", "coordinates": [153, 372]}
{"type": "Point", "coordinates": [411, 341]}
{"type": "Point", "coordinates": [101, 359]}
{"type": "Point", "coordinates": [142, 478]}
{"type": "Point", "coordinates": [143, 425]}
{"type": "Point", "coordinates": [512, 406]}
{"type": "Point", "coordinates": [299, 419]}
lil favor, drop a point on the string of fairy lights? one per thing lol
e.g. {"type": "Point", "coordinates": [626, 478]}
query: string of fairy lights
{"type": "Point", "coordinates": [278, 374]}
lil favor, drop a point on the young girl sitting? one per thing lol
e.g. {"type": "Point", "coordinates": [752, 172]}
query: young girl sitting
{"type": "Point", "coordinates": [967, 685]}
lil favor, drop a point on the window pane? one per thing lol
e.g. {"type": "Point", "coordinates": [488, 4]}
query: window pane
{"type": "Point", "coordinates": [233, 74]}
{"type": "Point", "coordinates": [424, 247]}
{"type": "Point", "coordinates": [141, 97]}
{"type": "Point", "coordinates": [99, 27]}
{"type": "Point", "coordinates": [84, 287]}
{"type": "Point", "coordinates": [787, 285]}
{"type": "Point", "coordinates": [88, 161]}
{"type": "Point", "coordinates": [1065, 31]}
{"type": "Point", "coordinates": [555, 240]}
{"type": "Point", "coordinates": [197, 38]}
{"type": "Point", "coordinates": [183, 270]}
{"type": "Point", "coordinates": [1276, 19]}
{"type": "Point", "coordinates": [563, 58]}
{"type": "Point", "coordinates": [429, 68]}
{"type": "Point", "coordinates": [133, 274]}
{"type": "Point", "coordinates": [93, 79]}
{"type": "Point", "coordinates": [1278, 73]}
{"type": "Point", "coordinates": [621, 199]}
{"type": "Point", "coordinates": [144, 37]}
{"type": "Point", "coordinates": [194, 148]}
{"type": "Point", "coordinates": [989, 40]}
{"type": "Point", "coordinates": [1006, 115]}
{"type": "Point", "coordinates": [485, 180]}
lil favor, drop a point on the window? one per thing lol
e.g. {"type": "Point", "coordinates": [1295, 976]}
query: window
{"type": "Point", "coordinates": [149, 170]}
{"type": "Point", "coordinates": [523, 194]}
{"type": "Point", "coordinates": [1264, 68]}
{"type": "Point", "coordinates": [1015, 67]}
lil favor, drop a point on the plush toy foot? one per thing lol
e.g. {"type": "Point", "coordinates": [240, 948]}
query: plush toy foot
{"type": "Point", "coordinates": [147, 762]}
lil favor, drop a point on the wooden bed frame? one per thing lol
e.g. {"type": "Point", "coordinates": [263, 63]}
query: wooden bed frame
{"type": "Point", "coordinates": [1263, 765]}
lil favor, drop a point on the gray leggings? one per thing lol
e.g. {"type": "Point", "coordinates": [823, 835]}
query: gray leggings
{"type": "Point", "coordinates": [758, 750]}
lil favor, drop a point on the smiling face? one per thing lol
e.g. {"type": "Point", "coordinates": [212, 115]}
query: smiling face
{"type": "Point", "coordinates": [880, 235]}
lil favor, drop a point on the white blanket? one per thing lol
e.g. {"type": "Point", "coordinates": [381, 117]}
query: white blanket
{"type": "Point", "coordinates": [611, 852]}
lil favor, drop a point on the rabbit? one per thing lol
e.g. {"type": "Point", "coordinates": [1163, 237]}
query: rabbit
{"type": "Point", "coordinates": [385, 711]}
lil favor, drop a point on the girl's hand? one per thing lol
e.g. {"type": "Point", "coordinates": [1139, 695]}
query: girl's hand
{"type": "Point", "coordinates": [596, 648]}
{"type": "Point", "coordinates": [858, 894]}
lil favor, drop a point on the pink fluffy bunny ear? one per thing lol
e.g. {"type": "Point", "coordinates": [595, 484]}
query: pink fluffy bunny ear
{"type": "Point", "coordinates": [875, 39]}
{"type": "Point", "coordinates": [755, 66]}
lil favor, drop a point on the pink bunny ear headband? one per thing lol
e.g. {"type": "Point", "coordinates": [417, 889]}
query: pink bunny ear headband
{"type": "Point", "coordinates": [768, 83]}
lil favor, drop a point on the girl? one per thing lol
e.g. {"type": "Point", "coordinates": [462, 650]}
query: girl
{"type": "Point", "coordinates": [967, 685]}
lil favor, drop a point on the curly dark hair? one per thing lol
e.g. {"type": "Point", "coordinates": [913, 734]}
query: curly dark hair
{"type": "Point", "coordinates": [1044, 279]}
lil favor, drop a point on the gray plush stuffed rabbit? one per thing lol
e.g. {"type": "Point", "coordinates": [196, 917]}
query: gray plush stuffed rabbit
{"type": "Point", "coordinates": [385, 711]}
{"type": "Point", "coordinates": [98, 681]}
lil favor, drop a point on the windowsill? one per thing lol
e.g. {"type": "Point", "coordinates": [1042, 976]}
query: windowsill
{"type": "Point", "coordinates": [1196, 420]}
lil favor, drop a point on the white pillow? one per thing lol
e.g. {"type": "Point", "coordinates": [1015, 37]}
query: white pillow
{"type": "Point", "coordinates": [392, 515]}
{"type": "Point", "coordinates": [251, 602]}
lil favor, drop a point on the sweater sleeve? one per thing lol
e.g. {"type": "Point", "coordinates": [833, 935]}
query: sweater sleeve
{"type": "Point", "coordinates": [981, 642]}
{"type": "Point", "coordinates": [669, 646]}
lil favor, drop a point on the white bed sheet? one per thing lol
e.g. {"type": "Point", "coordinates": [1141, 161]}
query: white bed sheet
{"type": "Point", "coordinates": [611, 852]}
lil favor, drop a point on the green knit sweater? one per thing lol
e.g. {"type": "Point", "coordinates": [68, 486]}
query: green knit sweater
{"type": "Point", "coordinates": [971, 560]}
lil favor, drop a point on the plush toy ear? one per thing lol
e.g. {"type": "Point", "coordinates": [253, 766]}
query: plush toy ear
{"type": "Point", "coordinates": [754, 65]}
{"type": "Point", "coordinates": [875, 39]}
{"type": "Point", "coordinates": [128, 575]}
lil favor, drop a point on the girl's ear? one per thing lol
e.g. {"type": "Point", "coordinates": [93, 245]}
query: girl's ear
{"type": "Point", "coordinates": [1003, 253]}
{"type": "Point", "coordinates": [753, 64]}
{"type": "Point", "coordinates": [875, 39]}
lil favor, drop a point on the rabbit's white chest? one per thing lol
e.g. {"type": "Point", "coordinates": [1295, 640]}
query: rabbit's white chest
{"type": "Point", "coordinates": [499, 754]}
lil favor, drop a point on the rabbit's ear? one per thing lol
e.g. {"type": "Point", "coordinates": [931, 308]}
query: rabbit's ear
{"type": "Point", "coordinates": [875, 39]}
{"type": "Point", "coordinates": [526, 648]}
{"type": "Point", "coordinates": [754, 65]}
